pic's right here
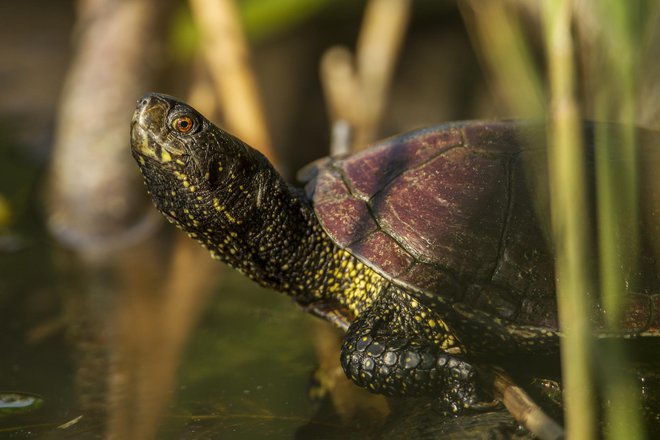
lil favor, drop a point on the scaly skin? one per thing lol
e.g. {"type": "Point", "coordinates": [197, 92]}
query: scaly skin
{"type": "Point", "coordinates": [228, 197]}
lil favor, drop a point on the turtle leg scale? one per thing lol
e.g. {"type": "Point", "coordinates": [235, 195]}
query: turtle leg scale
{"type": "Point", "coordinates": [387, 359]}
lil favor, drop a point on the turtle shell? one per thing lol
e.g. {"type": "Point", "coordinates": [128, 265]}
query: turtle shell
{"type": "Point", "coordinates": [459, 210]}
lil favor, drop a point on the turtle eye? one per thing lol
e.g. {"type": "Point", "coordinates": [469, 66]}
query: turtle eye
{"type": "Point", "coordinates": [183, 124]}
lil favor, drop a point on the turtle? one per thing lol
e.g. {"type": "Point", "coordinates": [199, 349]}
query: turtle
{"type": "Point", "coordinates": [430, 249]}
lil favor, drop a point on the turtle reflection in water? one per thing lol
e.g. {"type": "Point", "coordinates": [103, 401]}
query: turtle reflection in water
{"type": "Point", "coordinates": [426, 248]}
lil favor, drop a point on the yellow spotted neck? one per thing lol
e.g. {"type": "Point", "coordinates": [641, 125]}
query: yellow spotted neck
{"type": "Point", "coordinates": [248, 217]}
{"type": "Point", "coordinates": [350, 281]}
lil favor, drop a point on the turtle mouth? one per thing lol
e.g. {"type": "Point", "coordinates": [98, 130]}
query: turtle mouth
{"type": "Point", "coordinates": [149, 130]}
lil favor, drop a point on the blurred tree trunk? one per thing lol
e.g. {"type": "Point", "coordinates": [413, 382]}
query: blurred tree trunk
{"type": "Point", "coordinates": [93, 202]}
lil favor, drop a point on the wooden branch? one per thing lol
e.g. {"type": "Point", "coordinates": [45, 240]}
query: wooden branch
{"type": "Point", "coordinates": [356, 89]}
{"type": "Point", "coordinates": [524, 409]}
{"type": "Point", "coordinates": [226, 52]}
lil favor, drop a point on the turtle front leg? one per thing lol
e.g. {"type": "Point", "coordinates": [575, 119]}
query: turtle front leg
{"type": "Point", "coordinates": [386, 351]}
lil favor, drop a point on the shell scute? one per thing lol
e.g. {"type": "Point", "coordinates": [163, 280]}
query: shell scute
{"type": "Point", "coordinates": [349, 218]}
{"type": "Point", "coordinates": [637, 312]}
{"type": "Point", "coordinates": [449, 211]}
{"type": "Point", "coordinates": [654, 323]}
{"type": "Point", "coordinates": [379, 247]}
{"type": "Point", "coordinates": [491, 299]}
{"type": "Point", "coordinates": [504, 136]}
{"type": "Point", "coordinates": [432, 278]}
{"type": "Point", "coordinates": [370, 170]}
{"type": "Point", "coordinates": [526, 263]}
{"type": "Point", "coordinates": [540, 312]}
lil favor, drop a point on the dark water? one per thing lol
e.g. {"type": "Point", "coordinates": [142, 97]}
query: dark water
{"type": "Point", "coordinates": [245, 370]}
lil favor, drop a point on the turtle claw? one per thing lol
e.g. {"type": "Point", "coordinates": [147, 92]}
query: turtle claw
{"type": "Point", "coordinates": [449, 406]}
{"type": "Point", "coordinates": [462, 396]}
{"type": "Point", "coordinates": [485, 406]}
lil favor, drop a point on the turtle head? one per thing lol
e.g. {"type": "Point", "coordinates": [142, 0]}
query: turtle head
{"type": "Point", "coordinates": [163, 127]}
{"type": "Point", "coordinates": [195, 172]}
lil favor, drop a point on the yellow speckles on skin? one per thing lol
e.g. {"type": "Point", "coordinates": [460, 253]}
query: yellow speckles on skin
{"type": "Point", "coordinates": [180, 162]}
{"type": "Point", "coordinates": [447, 342]}
{"type": "Point", "coordinates": [356, 285]}
{"type": "Point", "coordinates": [145, 149]}
{"type": "Point", "coordinates": [431, 323]}
{"type": "Point", "coordinates": [165, 156]}
{"type": "Point", "coordinates": [182, 177]}
{"type": "Point", "coordinates": [229, 217]}
{"type": "Point", "coordinates": [172, 213]}
{"type": "Point", "coordinates": [217, 206]}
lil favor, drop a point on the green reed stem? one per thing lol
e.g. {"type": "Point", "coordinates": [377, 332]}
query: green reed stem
{"type": "Point", "coordinates": [618, 216]}
{"type": "Point", "coordinates": [496, 29]}
{"type": "Point", "coordinates": [568, 201]}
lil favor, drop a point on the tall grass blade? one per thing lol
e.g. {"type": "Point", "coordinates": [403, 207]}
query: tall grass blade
{"type": "Point", "coordinates": [569, 219]}
{"type": "Point", "coordinates": [616, 58]}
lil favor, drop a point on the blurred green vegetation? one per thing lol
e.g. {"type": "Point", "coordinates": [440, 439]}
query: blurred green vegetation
{"type": "Point", "coordinates": [617, 58]}
{"type": "Point", "coordinates": [262, 19]}
{"type": "Point", "coordinates": [599, 76]}
{"type": "Point", "coordinates": [18, 184]}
